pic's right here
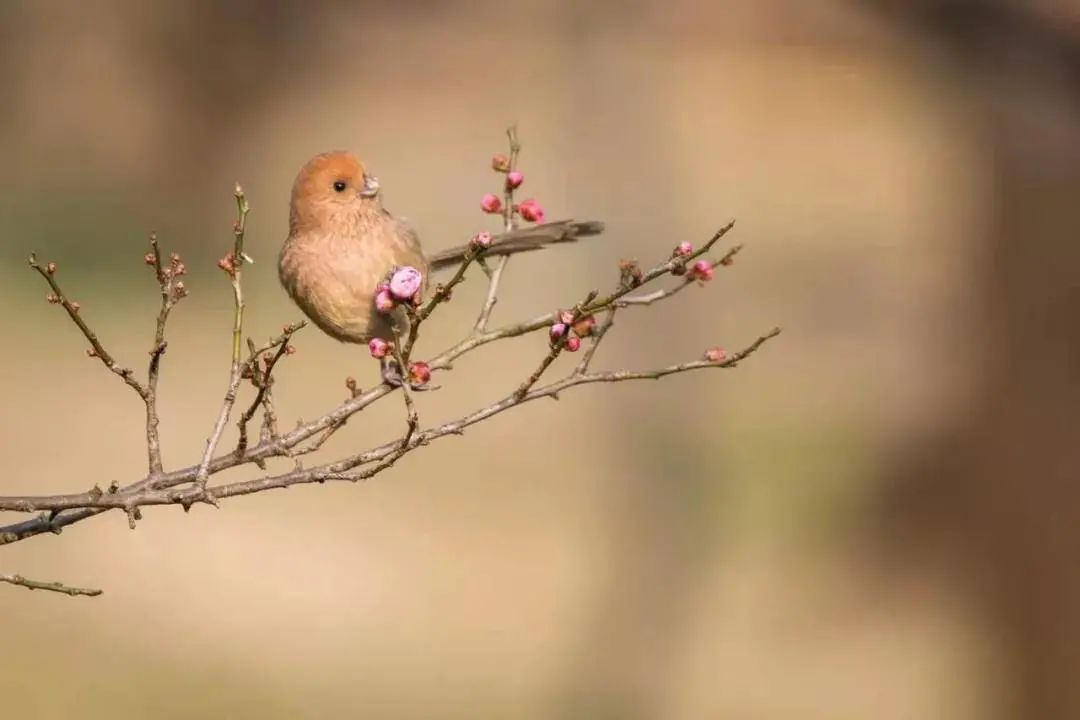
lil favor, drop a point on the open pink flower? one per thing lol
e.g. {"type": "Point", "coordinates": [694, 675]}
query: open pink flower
{"type": "Point", "coordinates": [531, 211]}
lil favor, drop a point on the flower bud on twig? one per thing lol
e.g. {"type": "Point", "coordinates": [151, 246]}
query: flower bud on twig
{"type": "Point", "coordinates": [702, 270]}
{"type": "Point", "coordinates": [481, 240]}
{"type": "Point", "coordinates": [384, 302]}
{"type": "Point", "coordinates": [419, 372]}
{"type": "Point", "coordinates": [405, 283]}
{"type": "Point", "coordinates": [378, 348]}
{"type": "Point", "coordinates": [530, 210]}
{"type": "Point", "coordinates": [715, 354]}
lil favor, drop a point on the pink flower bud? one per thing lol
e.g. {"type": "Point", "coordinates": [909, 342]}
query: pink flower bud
{"type": "Point", "coordinates": [573, 343]}
{"type": "Point", "coordinates": [566, 316]}
{"type": "Point", "coordinates": [419, 372]}
{"type": "Point", "coordinates": [491, 203]}
{"type": "Point", "coordinates": [531, 211]}
{"type": "Point", "coordinates": [715, 355]}
{"type": "Point", "coordinates": [701, 270]}
{"type": "Point", "coordinates": [481, 240]}
{"type": "Point", "coordinates": [378, 348]}
{"type": "Point", "coordinates": [683, 249]}
{"type": "Point", "coordinates": [500, 163]}
{"type": "Point", "coordinates": [405, 283]}
{"type": "Point", "coordinates": [514, 179]}
{"type": "Point", "coordinates": [558, 330]}
{"type": "Point", "coordinates": [384, 303]}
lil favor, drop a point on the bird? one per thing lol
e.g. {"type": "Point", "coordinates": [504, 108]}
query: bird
{"type": "Point", "coordinates": [342, 244]}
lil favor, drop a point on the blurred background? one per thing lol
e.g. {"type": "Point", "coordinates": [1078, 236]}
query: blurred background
{"type": "Point", "coordinates": [877, 516]}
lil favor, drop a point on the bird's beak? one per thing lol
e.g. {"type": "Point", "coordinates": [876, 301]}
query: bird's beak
{"type": "Point", "coordinates": [371, 187]}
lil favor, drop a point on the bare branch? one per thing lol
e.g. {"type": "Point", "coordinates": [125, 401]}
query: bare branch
{"type": "Point", "coordinates": [232, 264]}
{"type": "Point", "coordinates": [49, 586]}
{"type": "Point", "coordinates": [97, 349]}
{"type": "Point", "coordinates": [190, 485]}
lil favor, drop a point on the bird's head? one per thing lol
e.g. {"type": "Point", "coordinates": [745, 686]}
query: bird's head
{"type": "Point", "coordinates": [332, 188]}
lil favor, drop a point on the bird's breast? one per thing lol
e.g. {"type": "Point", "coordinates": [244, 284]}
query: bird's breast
{"type": "Point", "coordinates": [333, 277]}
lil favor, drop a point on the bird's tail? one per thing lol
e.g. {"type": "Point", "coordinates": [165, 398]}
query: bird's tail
{"type": "Point", "coordinates": [526, 239]}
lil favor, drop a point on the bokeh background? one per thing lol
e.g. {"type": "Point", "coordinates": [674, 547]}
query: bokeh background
{"type": "Point", "coordinates": [877, 516]}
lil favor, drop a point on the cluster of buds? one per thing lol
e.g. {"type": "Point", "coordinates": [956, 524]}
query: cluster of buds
{"type": "Point", "coordinates": [529, 210]}
{"type": "Point", "coordinates": [569, 329]}
{"type": "Point", "coordinates": [176, 268]}
{"type": "Point", "coordinates": [404, 286]}
{"type": "Point", "coordinates": [702, 270]}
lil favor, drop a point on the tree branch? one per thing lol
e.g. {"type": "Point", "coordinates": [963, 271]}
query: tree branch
{"type": "Point", "coordinates": [50, 586]}
{"type": "Point", "coordinates": [190, 485]}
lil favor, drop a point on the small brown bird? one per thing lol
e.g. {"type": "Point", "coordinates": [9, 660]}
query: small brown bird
{"type": "Point", "coordinates": [342, 244]}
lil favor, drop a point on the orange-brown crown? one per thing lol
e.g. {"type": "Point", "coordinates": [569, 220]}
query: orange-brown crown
{"type": "Point", "coordinates": [330, 183]}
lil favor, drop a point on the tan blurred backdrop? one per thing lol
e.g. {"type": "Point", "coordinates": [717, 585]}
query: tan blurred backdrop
{"type": "Point", "coordinates": [875, 517]}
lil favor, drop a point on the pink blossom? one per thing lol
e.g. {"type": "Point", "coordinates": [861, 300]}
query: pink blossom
{"type": "Point", "coordinates": [558, 330]}
{"type": "Point", "coordinates": [566, 316]}
{"type": "Point", "coordinates": [683, 249]}
{"type": "Point", "coordinates": [405, 283]}
{"type": "Point", "coordinates": [531, 211]}
{"type": "Point", "coordinates": [716, 355]}
{"type": "Point", "coordinates": [384, 302]}
{"type": "Point", "coordinates": [419, 372]}
{"type": "Point", "coordinates": [491, 203]}
{"type": "Point", "coordinates": [573, 343]}
{"type": "Point", "coordinates": [701, 270]}
{"type": "Point", "coordinates": [378, 348]}
{"type": "Point", "coordinates": [514, 179]}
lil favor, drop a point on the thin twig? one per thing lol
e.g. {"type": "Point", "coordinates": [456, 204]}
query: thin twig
{"type": "Point", "coordinates": [233, 264]}
{"type": "Point", "coordinates": [598, 334]}
{"type": "Point", "coordinates": [509, 225]}
{"type": "Point", "coordinates": [650, 298]}
{"type": "Point", "coordinates": [50, 586]}
{"type": "Point", "coordinates": [262, 378]}
{"type": "Point", "coordinates": [172, 291]}
{"type": "Point", "coordinates": [97, 349]}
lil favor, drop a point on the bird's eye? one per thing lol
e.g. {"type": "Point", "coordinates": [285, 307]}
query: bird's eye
{"type": "Point", "coordinates": [339, 186]}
